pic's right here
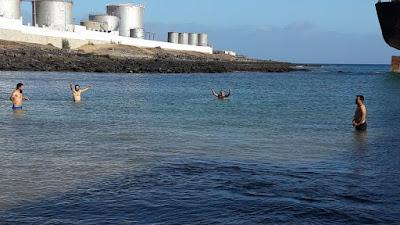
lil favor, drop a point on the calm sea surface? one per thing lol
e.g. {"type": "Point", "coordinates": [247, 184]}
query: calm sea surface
{"type": "Point", "coordinates": [159, 149]}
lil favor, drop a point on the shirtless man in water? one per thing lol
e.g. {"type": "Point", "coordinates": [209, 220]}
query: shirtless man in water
{"type": "Point", "coordinates": [17, 98]}
{"type": "Point", "coordinates": [77, 91]}
{"type": "Point", "coordinates": [221, 95]}
{"type": "Point", "coordinates": [360, 116]}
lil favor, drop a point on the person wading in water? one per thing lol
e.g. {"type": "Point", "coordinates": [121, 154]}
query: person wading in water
{"type": "Point", "coordinates": [77, 91]}
{"type": "Point", "coordinates": [17, 97]}
{"type": "Point", "coordinates": [221, 95]}
{"type": "Point", "coordinates": [360, 116]}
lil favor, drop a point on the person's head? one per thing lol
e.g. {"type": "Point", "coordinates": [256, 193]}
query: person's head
{"type": "Point", "coordinates": [222, 92]}
{"type": "Point", "coordinates": [360, 100]}
{"type": "Point", "coordinates": [77, 87]}
{"type": "Point", "coordinates": [20, 87]}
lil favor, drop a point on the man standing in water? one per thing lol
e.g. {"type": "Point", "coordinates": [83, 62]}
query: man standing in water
{"type": "Point", "coordinates": [77, 91]}
{"type": "Point", "coordinates": [360, 116]}
{"type": "Point", "coordinates": [221, 95]}
{"type": "Point", "coordinates": [17, 97]}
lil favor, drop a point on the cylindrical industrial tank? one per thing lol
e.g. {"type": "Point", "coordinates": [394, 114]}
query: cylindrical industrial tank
{"type": "Point", "coordinates": [137, 33]}
{"type": "Point", "coordinates": [203, 39]}
{"type": "Point", "coordinates": [173, 37]}
{"type": "Point", "coordinates": [96, 26]}
{"type": "Point", "coordinates": [10, 9]}
{"type": "Point", "coordinates": [111, 21]}
{"type": "Point", "coordinates": [56, 14]}
{"type": "Point", "coordinates": [184, 38]}
{"type": "Point", "coordinates": [130, 16]}
{"type": "Point", "coordinates": [193, 39]}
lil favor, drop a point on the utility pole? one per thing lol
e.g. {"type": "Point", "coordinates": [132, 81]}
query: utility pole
{"type": "Point", "coordinates": [65, 15]}
{"type": "Point", "coordinates": [34, 12]}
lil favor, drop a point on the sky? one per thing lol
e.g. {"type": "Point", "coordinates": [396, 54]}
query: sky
{"type": "Point", "coordinates": [302, 31]}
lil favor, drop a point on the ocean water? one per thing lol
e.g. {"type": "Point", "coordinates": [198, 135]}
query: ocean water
{"type": "Point", "coordinates": [159, 149]}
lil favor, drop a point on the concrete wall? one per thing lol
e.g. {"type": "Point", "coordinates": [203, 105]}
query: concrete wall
{"type": "Point", "coordinates": [14, 30]}
{"type": "Point", "coordinates": [18, 36]}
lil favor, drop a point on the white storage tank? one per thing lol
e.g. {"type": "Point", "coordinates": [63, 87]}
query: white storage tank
{"type": "Point", "coordinates": [130, 16]}
{"type": "Point", "coordinates": [10, 9]}
{"type": "Point", "coordinates": [137, 33]}
{"type": "Point", "coordinates": [203, 39]}
{"type": "Point", "coordinates": [193, 39]}
{"type": "Point", "coordinates": [111, 21]}
{"type": "Point", "coordinates": [173, 37]}
{"type": "Point", "coordinates": [95, 26]}
{"type": "Point", "coordinates": [55, 14]}
{"type": "Point", "coordinates": [184, 38]}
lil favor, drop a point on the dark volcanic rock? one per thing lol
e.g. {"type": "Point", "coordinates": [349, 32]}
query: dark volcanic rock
{"type": "Point", "coordinates": [30, 57]}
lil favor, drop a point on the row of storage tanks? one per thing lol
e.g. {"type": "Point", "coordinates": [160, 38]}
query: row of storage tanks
{"type": "Point", "coordinates": [126, 18]}
{"type": "Point", "coordinates": [57, 14]}
{"type": "Point", "coordinates": [188, 38]}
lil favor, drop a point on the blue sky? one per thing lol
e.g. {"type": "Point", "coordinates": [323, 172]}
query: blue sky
{"type": "Point", "coordinates": [310, 31]}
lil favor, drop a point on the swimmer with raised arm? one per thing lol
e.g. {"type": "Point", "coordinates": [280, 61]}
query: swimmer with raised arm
{"type": "Point", "coordinates": [221, 95]}
{"type": "Point", "coordinates": [17, 97]}
{"type": "Point", "coordinates": [77, 91]}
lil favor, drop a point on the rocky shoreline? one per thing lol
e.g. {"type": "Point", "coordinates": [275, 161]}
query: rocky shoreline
{"type": "Point", "coordinates": [124, 59]}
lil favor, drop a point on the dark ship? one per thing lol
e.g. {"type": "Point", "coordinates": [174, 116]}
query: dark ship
{"type": "Point", "coordinates": [389, 18]}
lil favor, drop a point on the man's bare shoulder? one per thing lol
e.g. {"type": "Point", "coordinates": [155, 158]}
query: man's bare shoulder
{"type": "Point", "coordinates": [15, 93]}
{"type": "Point", "coordinates": [364, 108]}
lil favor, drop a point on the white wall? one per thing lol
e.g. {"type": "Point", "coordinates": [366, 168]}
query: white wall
{"type": "Point", "coordinates": [80, 33]}
{"type": "Point", "coordinates": [10, 23]}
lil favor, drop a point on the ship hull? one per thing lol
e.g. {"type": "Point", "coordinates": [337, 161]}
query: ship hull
{"type": "Point", "coordinates": [389, 19]}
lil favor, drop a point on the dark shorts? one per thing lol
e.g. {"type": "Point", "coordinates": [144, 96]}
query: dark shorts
{"type": "Point", "coordinates": [17, 108]}
{"type": "Point", "coordinates": [362, 127]}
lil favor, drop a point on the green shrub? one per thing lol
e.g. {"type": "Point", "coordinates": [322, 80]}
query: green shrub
{"type": "Point", "coordinates": [65, 45]}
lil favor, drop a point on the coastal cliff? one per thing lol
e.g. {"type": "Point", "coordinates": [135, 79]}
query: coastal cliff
{"type": "Point", "coordinates": [16, 56]}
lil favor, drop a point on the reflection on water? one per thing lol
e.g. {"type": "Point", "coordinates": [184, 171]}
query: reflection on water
{"type": "Point", "coordinates": [136, 151]}
{"type": "Point", "coordinates": [19, 113]}
{"type": "Point", "coordinates": [361, 140]}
